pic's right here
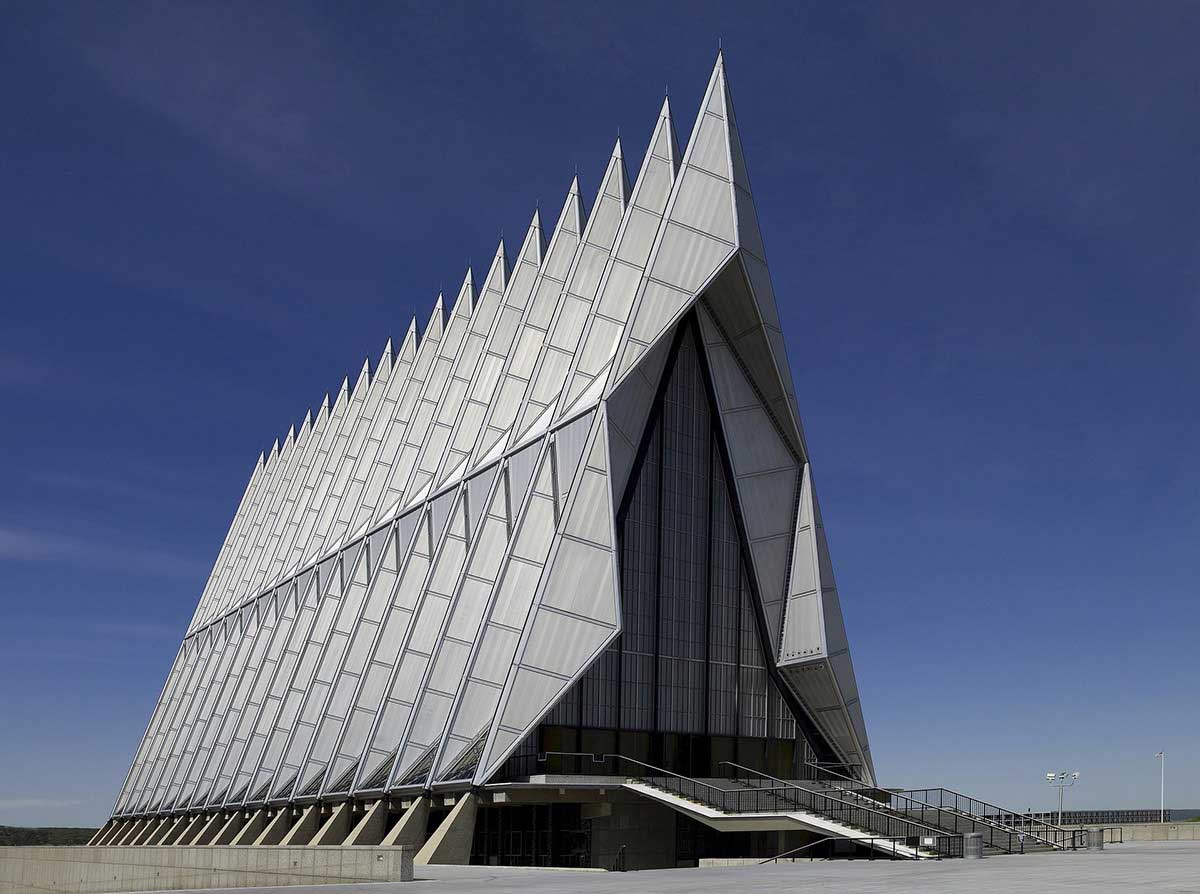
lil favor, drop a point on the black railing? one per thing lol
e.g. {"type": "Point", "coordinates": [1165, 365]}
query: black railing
{"type": "Point", "coordinates": [1022, 824]}
{"type": "Point", "coordinates": [1113, 835]}
{"type": "Point", "coordinates": [1001, 828]}
{"type": "Point", "coordinates": [781, 797]}
{"type": "Point", "coordinates": [860, 811]}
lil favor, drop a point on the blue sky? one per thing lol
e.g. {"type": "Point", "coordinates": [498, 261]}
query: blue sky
{"type": "Point", "coordinates": [984, 230]}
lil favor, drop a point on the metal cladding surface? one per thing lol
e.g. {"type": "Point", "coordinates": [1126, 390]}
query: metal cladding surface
{"type": "Point", "coordinates": [417, 575]}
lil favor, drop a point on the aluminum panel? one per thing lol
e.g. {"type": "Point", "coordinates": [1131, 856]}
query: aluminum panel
{"type": "Point", "coordinates": [709, 146]}
{"type": "Point", "coordinates": [580, 582]}
{"type": "Point", "coordinates": [519, 583]}
{"type": "Point", "coordinates": [732, 389]}
{"type": "Point", "coordinates": [754, 442]}
{"type": "Point", "coordinates": [659, 305]}
{"type": "Point", "coordinates": [532, 692]}
{"type": "Point", "coordinates": [562, 644]}
{"type": "Point", "coordinates": [770, 557]}
{"type": "Point", "coordinates": [703, 203]}
{"type": "Point", "coordinates": [641, 226]}
{"type": "Point", "coordinates": [568, 450]}
{"type": "Point", "coordinates": [768, 502]}
{"type": "Point", "coordinates": [591, 516]}
{"type": "Point", "coordinates": [620, 288]}
{"type": "Point", "coordinates": [654, 184]}
{"type": "Point", "coordinates": [687, 259]}
{"type": "Point", "coordinates": [494, 658]}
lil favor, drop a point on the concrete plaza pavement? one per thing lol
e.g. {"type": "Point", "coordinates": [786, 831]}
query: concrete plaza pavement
{"type": "Point", "coordinates": [1167, 867]}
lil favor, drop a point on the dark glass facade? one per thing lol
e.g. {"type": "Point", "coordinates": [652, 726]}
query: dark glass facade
{"type": "Point", "coordinates": [686, 685]}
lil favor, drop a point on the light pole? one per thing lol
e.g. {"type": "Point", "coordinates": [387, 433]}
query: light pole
{"type": "Point", "coordinates": [1162, 785]}
{"type": "Point", "coordinates": [1060, 781]}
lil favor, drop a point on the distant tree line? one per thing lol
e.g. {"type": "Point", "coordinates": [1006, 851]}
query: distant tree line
{"type": "Point", "coordinates": [18, 836]}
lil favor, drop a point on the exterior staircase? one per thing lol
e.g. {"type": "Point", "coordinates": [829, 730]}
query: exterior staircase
{"type": "Point", "coordinates": [912, 824]}
{"type": "Point", "coordinates": [777, 805]}
{"type": "Point", "coordinates": [1004, 831]}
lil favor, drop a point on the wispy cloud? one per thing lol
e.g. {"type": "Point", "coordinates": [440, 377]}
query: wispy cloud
{"type": "Point", "coordinates": [265, 92]}
{"type": "Point", "coordinates": [146, 485]}
{"type": "Point", "coordinates": [26, 545]}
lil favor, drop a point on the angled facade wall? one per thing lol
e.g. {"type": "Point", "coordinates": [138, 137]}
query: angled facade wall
{"type": "Point", "coordinates": [576, 509]}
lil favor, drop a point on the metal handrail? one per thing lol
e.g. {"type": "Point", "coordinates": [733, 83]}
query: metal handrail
{"type": "Point", "coordinates": [1057, 837]}
{"type": "Point", "coordinates": [818, 802]}
{"type": "Point", "coordinates": [880, 810]}
{"type": "Point", "coordinates": [696, 783]}
{"type": "Point", "coordinates": [976, 818]}
{"type": "Point", "coordinates": [1004, 810]}
{"type": "Point", "coordinates": [1048, 833]}
{"type": "Point", "coordinates": [604, 758]}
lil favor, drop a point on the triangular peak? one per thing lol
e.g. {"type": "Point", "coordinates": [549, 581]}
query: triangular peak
{"type": "Point", "coordinates": [573, 216]}
{"type": "Point", "coordinates": [272, 456]}
{"type": "Point", "coordinates": [624, 276]}
{"type": "Point", "coordinates": [305, 426]}
{"type": "Point", "coordinates": [699, 235]}
{"type": "Point", "coordinates": [437, 319]}
{"type": "Point", "coordinates": [464, 304]}
{"type": "Point", "coordinates": [556, 260]}
{"type": "Point", "coordinates": [384, 366]}
{"type": "Point", "coordinates": [497, 275]}
{"type": "Point", "coordinates": [364, 377]}
{"type": "Point", "coordinates": [285, 445]}
{"type": "Point", "coordinates": [737, 159]}
{"type": "Point", "coordinates": [710, 223]}
{"type": "Point", "coordinates": [534, 244]}
{"type": "Point", "coordinates": [722, 156]}
{"type": "Point", "coordinates": [815, 652]}
{"type": "Point", "coordinates": [615, 182]}
{"type": "Point", "coordinates": [712, 137]}
{"type": "Point", "coordinates": [521, 280]}
{"type": "Point", "coordinates": [659, 165]}
{"type": "Point", "coordinates": [408, 347]}
{"type": "Point", "coordinates": [609, 206]}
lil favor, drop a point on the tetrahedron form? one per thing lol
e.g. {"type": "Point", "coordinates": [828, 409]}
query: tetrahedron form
{"type": "Point", "coordinates": [578, 508]}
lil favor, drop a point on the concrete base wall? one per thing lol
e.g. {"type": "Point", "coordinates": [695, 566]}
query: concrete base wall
{"type": "Point", "coordinates": [99, 870]}
{"type": "Point", "coordinates": [1156, 831]}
